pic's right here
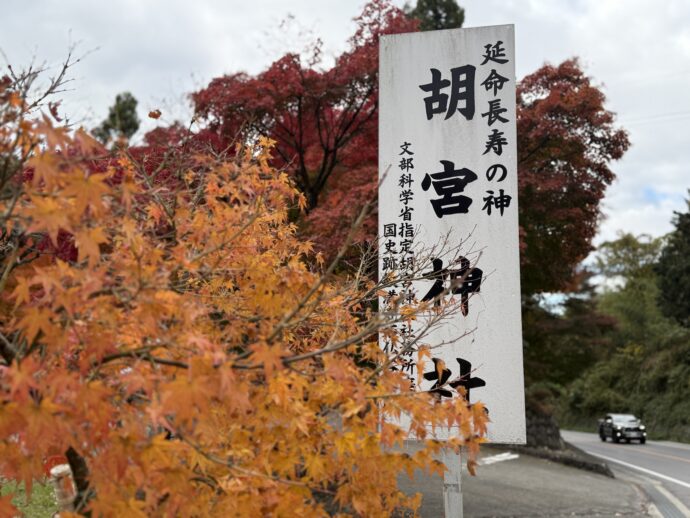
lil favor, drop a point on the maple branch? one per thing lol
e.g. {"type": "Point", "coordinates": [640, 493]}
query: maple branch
{"type": "Point", "coordinates": [345, 139]}
{"type": "Point", "coordinates": [141, 354]}
{"type": "Point", "coordinates": [8, 351]}
{"type": "Point", "coordinates": [149, 183]}
{"type": "Point", "coordinates": [80, 475]}
{"type": "Point", "coordinates": [411, 393]}
{"type": "Point", "coordinates": [331, 268]}
{"type": "Point", "coordinates": [330, 154]}
{"type": "Point", "coordinates": [341, 253]}
{"type": "Point", "coordinates": [409, 347]}
{"type": "Point", "coordinates": [232, 466]}
{"type": "Point", "coordinates": [209, 481]}
{"type": "Point", "coordinates": [375, 325]}
{"type": "Point", "coordinates": [10, 208]}
{"type": "Point", "coordinates": [58, 81]}
{"type": "Point", "coordinates": [18, 163]}
{"type": "Point", "coordinates": [11, 260]}
{"type": "Point", "coordinates": [317, 118]}
{"type": "Point", "coordinates": [344, 129]}
{"type": "Point", "coordinates": [221, 245]}
{"type": "Point", "coordinates": [300, 143]}
{"type": "Point", "coordinates": [358, 337]}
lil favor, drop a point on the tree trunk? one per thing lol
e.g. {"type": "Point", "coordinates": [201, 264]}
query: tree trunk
{"type": "Point", "coordinates": [80, 474]}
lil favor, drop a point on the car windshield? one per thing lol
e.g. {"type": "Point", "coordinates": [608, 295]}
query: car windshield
{"type": "Point", "coordinates": [624, 418]}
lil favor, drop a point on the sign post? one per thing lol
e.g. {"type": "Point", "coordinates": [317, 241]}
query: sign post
{"type": "Point", "coordinates": [448, 172]}
{"type": "Point", "coordinates": [452, 484]}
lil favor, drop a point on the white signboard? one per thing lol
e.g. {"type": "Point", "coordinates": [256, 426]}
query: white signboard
{"type": "Point", "coordinates": [447, 160]}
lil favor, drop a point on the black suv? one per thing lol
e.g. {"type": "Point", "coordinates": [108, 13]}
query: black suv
{"type": "Point", "coordinates": [622, 427]}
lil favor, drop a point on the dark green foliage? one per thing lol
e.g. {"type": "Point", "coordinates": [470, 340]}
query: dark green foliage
{"type": "Point", "coordinates": [654, 386]}
{"type": "Point", "coordinates": [122, 120]}
{"type": "Point", "coordinates": [674, 271]}
{"type": "Point", "coordinates": [628, 256]}
{"type": "Point", "coordinates": [635, 308]}
{"type": "Point", "coordinates": [437, 14]}
{"type": "Point", "coordinates": [647, 368]}
{"type": "Point", "coordinates": [560, 346]}
{"type": "Point", "coordinates": [628, 265]}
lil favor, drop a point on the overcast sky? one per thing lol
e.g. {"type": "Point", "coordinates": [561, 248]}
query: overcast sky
{"type": "Point", "coordinates": [160, 50]}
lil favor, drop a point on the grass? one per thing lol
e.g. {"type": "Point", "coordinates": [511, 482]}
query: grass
{"type": "Point", "coordinates": [41, 504]}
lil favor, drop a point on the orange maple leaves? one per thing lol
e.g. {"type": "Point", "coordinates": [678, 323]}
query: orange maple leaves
{"type": "Point", "coordinates": [192, 352]}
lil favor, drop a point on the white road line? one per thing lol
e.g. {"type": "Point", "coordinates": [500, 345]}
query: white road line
{"type": "Point", "coordinates": [497, 458]}
{"type": "Point", "coordinates": [671, 498]}
{"type": "Point", "coordinates": [643, 470]}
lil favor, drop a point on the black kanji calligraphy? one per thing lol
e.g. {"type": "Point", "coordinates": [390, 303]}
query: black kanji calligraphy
{"type": "Point", "coordinates": [461, 90]}
{"type": "Point", "coordinates": [390, 247]}
{"type": "Point", "coordinates": [390, 296]}
{"type": "Point", "coordinates": [405, 146]}
{"type": "Point", "coordinates": [406, 230]}
{"type": "Point", "coordinates": [465, 379]}
{"type": "Point", "coordinates": [407, 365]}
{"type": "Point", "coordinates": [388, 347]}
{"type": "Point", "coordinates": [405, 181]}
{"type": "Point", "coordinates": [438, 275]}
{"type": "Point", "coordinates": [406, 196]}
{"type": "Point", "coordinates": [463, 383]}
{"type": "Point", "coordinates": [495, 53]}
{"type": "Point", "coordinates": [406, 332]}
{"type": "Point", "coordinates": [465, 281]}
{"type": "Point", "coordinates": [449, 184]}
{"type": "Point", "coordinates": [406, 164]}
{"type": "Point", "coordinates": [406, 262]}
{"type": "Point", "coordinates": [437, 102]}
{"type": "Point", "coordinates": [494, 81]}
{"type": "Point", "coordinates": [389, 230]}
{"type": "Point", "coordinates": [406, 213]}
{"type": "Point", "coordinates": [390, 263]}
{"type": "Point", "coordinates": [406, 246]}
{"type": "Point", "coordinates": [440, 375]}
{"type": "Point", "coordinates": [500, 202]}
{"type": "Point", "coordinates": [496, 142]}
{"type": "Point", "coordinates": [495, 111]}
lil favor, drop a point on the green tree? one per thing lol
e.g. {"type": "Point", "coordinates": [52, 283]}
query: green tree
{"type": "Point", "coordinates": [561, 345]}
{"type": "Point", "coordinates": [631, 290]}
{"type": "Point", "coordinates": [436, 14]}
{"type": "Point", "coordinates": [647, 365]}
{"type": "Point", "coordinates": [673, 270]}
{"type": "Point", "coordinates": [628, 256]}
{"type": "Point", "coordinates": [122, 120]}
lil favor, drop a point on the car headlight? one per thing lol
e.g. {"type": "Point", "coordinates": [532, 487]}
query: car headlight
{"type": "Point", "coordinates": [642, 427]}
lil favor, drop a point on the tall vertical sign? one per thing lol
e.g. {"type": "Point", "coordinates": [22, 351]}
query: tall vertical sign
{"type": "Point", "coordinates": [448, 196]}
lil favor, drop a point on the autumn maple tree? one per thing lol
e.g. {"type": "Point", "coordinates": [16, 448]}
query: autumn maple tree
{"type": "Point", "coordinates": [324, 121]}
{"type": "Point", "coordinates": [166, 331]}
{"type": "Point", "coordinates": [567, 141]}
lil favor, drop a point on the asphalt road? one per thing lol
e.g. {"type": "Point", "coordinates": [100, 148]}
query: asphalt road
{"type": "Point", "coordinates": [510, 485]}
{"type": "Point", "coordinates": [662, 468]}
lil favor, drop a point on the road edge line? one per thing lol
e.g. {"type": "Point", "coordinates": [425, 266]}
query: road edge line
{"type": "Point", "coordinates": [673, 499]}
{"type": "Point", "coordinates": [644, 470]}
